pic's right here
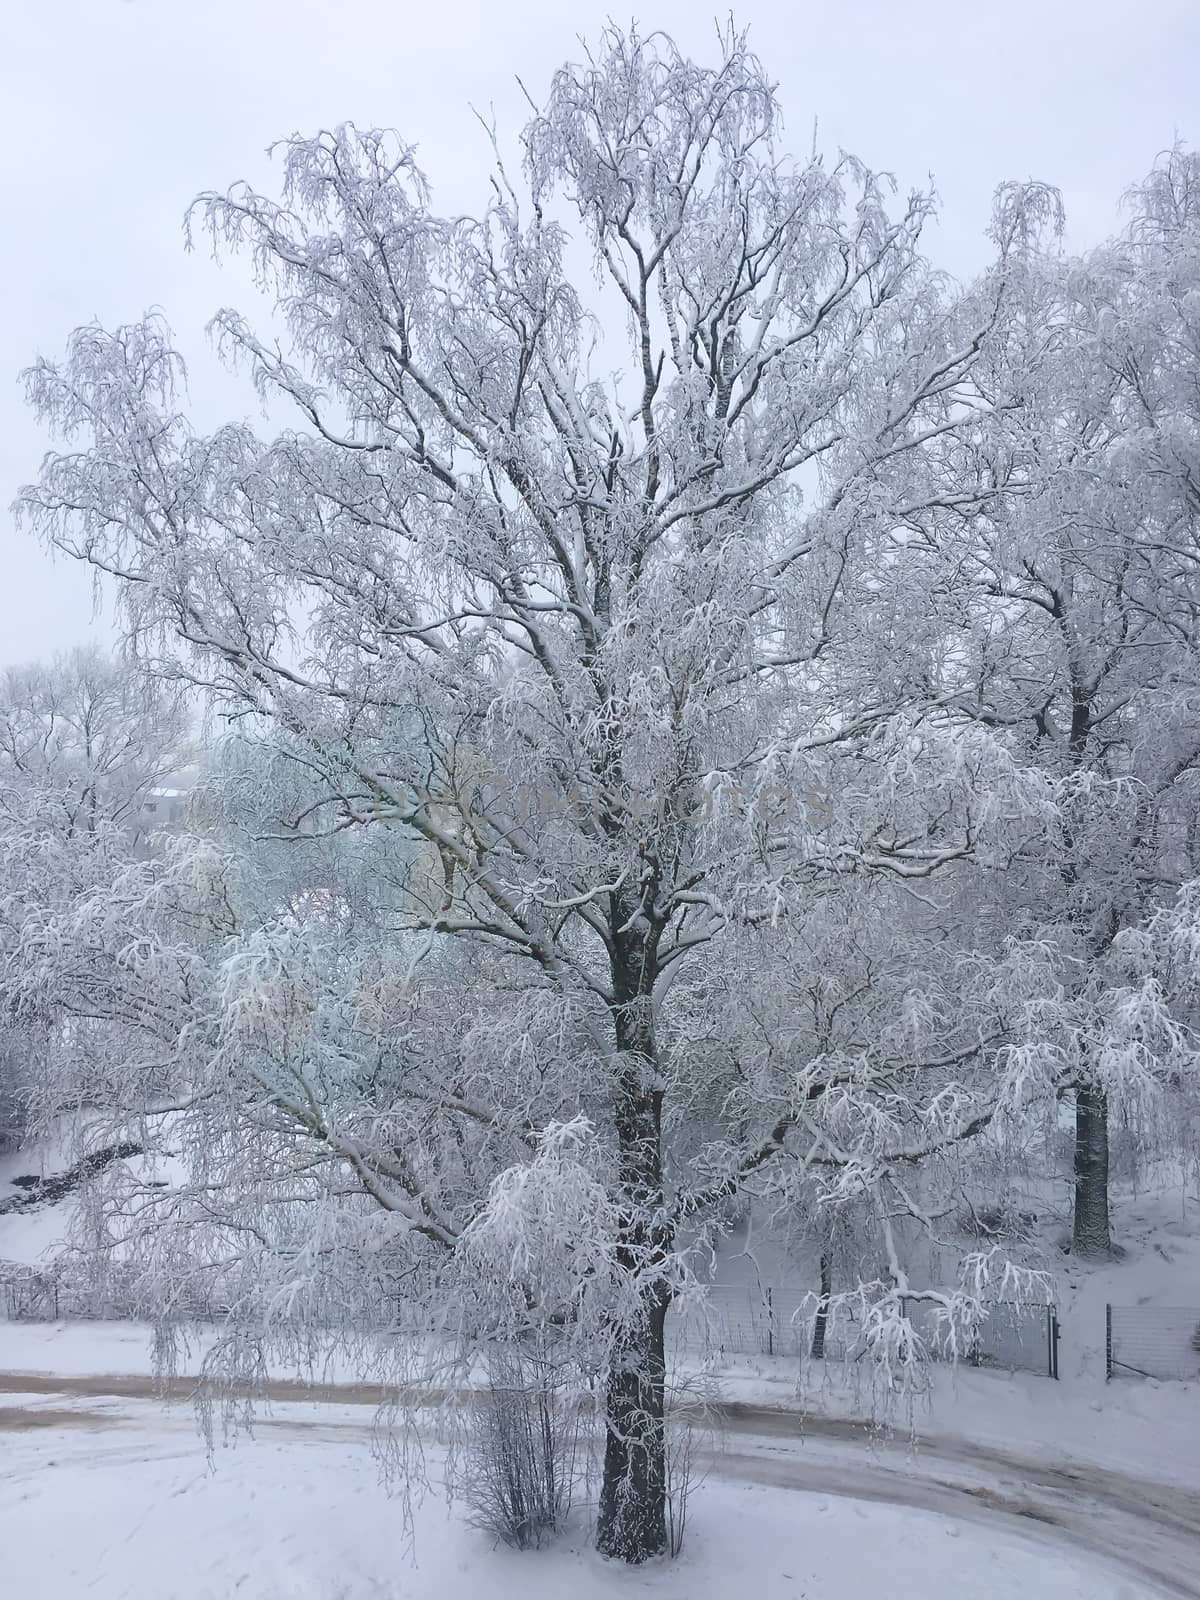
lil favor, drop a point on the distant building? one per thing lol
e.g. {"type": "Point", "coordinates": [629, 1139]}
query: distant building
{"type": "Point", "coordinates": [165, 804]}
{"type": "Point", "coordinates": [162, 807]}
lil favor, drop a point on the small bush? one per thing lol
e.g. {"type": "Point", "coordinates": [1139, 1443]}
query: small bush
{"type": "Point", "coordinates": [691, 1429]}
{"type": "Point", "coordinates": [522, 1458]}
{"type": "Point", "coordinates": [1000, 1219]}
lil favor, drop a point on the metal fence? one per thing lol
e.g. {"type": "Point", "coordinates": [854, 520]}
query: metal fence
{"type": "Point", "coordinates": [779, 1322]}
{"type": "Point", "coordinates": [1153, 1341]}
{"type": "Point", "coordinates": [741, 1321]}
{"type": "Point", "coordinates": [71, 1290]}
{"type": "Point", "coordinates": [730, 1321]}
{"type": "Point", "coordinates": [30, 1294]}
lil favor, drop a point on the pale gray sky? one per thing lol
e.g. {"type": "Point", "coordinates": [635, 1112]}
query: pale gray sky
{"type": "Point", "coordinates": [114, 113]}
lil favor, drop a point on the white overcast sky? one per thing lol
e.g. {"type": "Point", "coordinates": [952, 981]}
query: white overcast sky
{"type": "Point", "coordinates": [114, 113]}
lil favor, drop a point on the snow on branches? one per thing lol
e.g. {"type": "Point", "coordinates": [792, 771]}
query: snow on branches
{"type": "Point", "coordinates": [720, 713]}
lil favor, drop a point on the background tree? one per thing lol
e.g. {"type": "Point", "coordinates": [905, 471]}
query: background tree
{"type": "Point", "coordinates": [84, 740]}
{"type": "Point", "coordinates": [1078, 604]}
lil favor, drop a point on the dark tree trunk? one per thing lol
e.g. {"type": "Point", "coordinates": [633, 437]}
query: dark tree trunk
{"type": "Point", "coordinates": [632, 1523]}
{"type": "Point", "coordinates": [633, 1495]}
{"type": "Point", "coordinates": [1090, 1233]}
{"type": "Point", "coordinates": [822, 1317]}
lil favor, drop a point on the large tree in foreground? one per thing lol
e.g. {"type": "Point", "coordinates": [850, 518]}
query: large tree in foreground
{"type": "Point", "coordinates": [591, 579]}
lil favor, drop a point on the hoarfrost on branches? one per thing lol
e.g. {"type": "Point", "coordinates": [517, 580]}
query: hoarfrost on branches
{"type": "Point", "coordinates": [706, 732]}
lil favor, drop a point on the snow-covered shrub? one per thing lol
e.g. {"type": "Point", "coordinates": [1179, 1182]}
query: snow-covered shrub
{"type": "Point", "coordinates": [999, 1218]}
{"type": "Point", "coordinates": [524, 1455]}
{"type": "Point", "coordinates": [691, 1435]}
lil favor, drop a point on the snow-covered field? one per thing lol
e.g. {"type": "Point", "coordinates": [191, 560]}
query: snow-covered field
{"type": "Point", "coordinates": [118, 1501]}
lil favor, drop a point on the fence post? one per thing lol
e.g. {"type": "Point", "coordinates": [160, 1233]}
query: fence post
{"type": "Point", "coordinates": [770, 1326]}
{"type": "Point", "coordinates": [1107, 1342]}
{"type": "Point", "coordinates": [1053, 1333]}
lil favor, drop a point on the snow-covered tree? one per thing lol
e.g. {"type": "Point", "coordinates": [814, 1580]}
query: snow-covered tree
{"type": "Point", "coordinates": [1077, 599]}
{"type": "Point", "coordinates": [20, 1050]}
{"type": "Point", "coordinates": [83, 742]}
{"type": "Point", "coordinates": [624, 544]}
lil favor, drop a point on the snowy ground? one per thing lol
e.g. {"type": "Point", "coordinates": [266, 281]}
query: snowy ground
{"type": "Point", "coordinates": [117, 1500]}
{"type": "Point", "coordinates": [1012, 1483]}
{"type": "Point", "coordinates": [992, 1485]}
{"type": "Point", "coordinates": [1151, 1429]}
